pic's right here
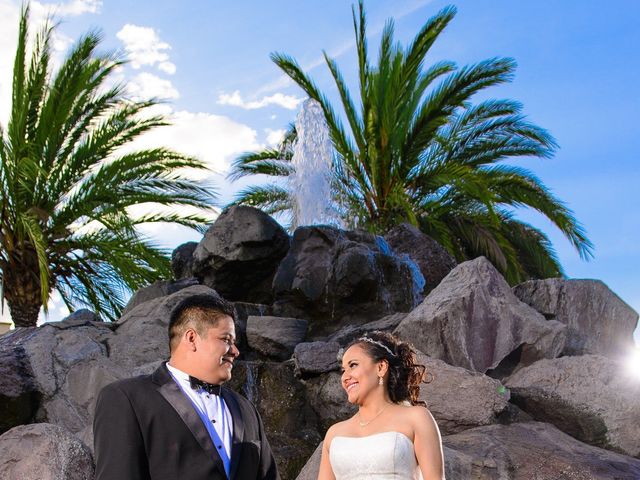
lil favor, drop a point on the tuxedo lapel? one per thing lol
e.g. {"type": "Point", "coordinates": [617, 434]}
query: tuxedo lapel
{"type": "Point", "coordinates": [172, 393]}
{"type": "Point", "coordinates": [238, 429]}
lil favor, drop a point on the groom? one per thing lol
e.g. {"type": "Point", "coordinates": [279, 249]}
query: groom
{"type": "Point", "coordinates": [179, 423]}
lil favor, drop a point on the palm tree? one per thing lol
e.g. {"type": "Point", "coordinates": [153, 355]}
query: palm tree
{"type": "Point", "coordinates": [419, 151]}
{"type": "Point", "coordinates": [68, 186]}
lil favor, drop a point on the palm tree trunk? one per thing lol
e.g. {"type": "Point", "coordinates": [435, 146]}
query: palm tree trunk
{"type": "Point", "coordinates": [22, 293]}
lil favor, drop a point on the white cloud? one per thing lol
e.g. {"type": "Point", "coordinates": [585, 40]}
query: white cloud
{"type": "Point", "coordinates": [274, 137]}
{"type": "Point", "coordinates": [144, 47]}
{"type": "Point", "coordinates": [167, 67]}
{"type": "Point", "coordinates": [213, 138]}
{"type": "Point", "coordinates": [66, 9]}
{"type": "Point", "coordinates": [146, 85]}
{"type": "Point", "coordinates": [235, 99]}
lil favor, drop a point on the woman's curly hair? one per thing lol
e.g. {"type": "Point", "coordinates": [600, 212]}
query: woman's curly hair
{"type": "Point", "coordinates": [405, 375]}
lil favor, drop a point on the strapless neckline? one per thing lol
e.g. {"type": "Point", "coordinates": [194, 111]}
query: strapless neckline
{"type": "Point", "coordinates": [381, 456]}
{"type": "Point", "coordinates": [394, 432]}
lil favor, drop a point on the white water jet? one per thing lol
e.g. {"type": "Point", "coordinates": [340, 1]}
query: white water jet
{"type": "Point", "coordinates": [312, 159]}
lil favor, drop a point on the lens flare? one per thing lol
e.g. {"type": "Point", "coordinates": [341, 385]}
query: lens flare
{"type": "Point", "coordinates": [633, 363]}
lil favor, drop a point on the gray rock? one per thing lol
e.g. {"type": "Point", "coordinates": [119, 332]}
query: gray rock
{"type": "Point", "coordinates": [243, 311]}
{"type": "Point", "coordinates": [350, 332]}
{"type": "Point", "coordinates": [312, 467]}
{"type": "Point", "coordinates": [83, 315]}
{"type": "Point", "coordinates": [278, 395]}
{"type": "Point", "coordinates": [240, 253]}
{"type": "Point", "coordinates": [335, 277]}
{"type": "Point", "coordinates": [45, 452]}
{"type": "Point", "coordinates": [460, 399]}
{"type": "Point", "coordinates": [182, 260]}
{"type": "Point", "coordinates": [158, 289]}
{"type": "Point", "coordinates": [473, 320]}
{"type": "Point", "coordinates": [433, 260]}
{"type": "Point", "coordinates": [526, 451]}
{"type": "Point", "coordinates": [142, 336]}
{"type": "Point", "coordinates": [598, 320]}
{"type": "Point", "coordinates": [313, 358]}
{"type": "Point", "coordinates": [62, 367]}
{"type": "Point", "coordinates": [328, 399]}
{"type": "Point", "coordinates": [275, 337]}
{"type": "Point", "coordinates": [590, 397]}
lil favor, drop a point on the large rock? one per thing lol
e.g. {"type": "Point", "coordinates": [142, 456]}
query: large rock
{"type": "Point", "coordinates": [590, 397]}
{"type": "Point", "coordinates": [350, 332]}
{"type": "Point", "coordinates": [529, 451]}
{"type": "Point", "coordinates": [158, 289]}
{"type": "Point", "coordinates": [142, 336]}
{"type": "Point", "coordinates": [432, 259]}
{"type": "Point", "coordinates": [313, 358]}
{"type": "Point", "coordinates": [278, 395]}
{"type": "Point", "coordinates": [182, 260]}
{"type": "Point", "coordinates": [328, 399]}
{"type": "Point", "coordinates": [335, 277]}
{"type": "Point", "coordinates": [63, 366]}
{"type": "Point", "coordinates": [473, 320]}
{"type": "Point", "coordinates": [240, 253]}
{"type": "Point", "coordinates": [460, 399]}
{"type": "Point", "coordinates": [598, 320]}
{"type": "Point", "coordinates": [275, 337]}
{"type": "Point", "coordinates": [44, 452]}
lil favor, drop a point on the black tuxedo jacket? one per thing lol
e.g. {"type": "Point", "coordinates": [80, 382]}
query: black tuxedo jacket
{"type": "Point", "coordinates": [145, 428]}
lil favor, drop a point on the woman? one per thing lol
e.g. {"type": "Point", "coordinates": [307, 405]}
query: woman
{"type": "Point", "coordinates": [393, 435]}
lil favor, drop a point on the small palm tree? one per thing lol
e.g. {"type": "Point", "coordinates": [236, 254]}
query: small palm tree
{"type": "Point", "coordinates": [419, 151]}
{"type": "Point", "coordinates": [68, 187]}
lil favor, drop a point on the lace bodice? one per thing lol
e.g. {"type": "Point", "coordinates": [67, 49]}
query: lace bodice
{"type": "Point", "coordinates": [383, 456]}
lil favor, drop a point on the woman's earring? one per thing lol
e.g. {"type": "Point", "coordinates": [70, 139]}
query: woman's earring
{"type": "Point", "coordinates": [380, 381]}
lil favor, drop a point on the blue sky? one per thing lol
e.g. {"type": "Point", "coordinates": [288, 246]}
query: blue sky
{"type": "Point", "coordinates": [577, 76]}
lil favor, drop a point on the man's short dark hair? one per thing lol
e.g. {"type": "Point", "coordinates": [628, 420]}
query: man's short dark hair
{"type": "Point", "coordinates": [201, 312]}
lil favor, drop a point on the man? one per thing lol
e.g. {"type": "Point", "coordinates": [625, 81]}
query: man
{"type": "Point", "coordinates": [178, 423]}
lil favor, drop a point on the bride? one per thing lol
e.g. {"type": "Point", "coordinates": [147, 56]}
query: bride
{"type": "Point", "coordinates": [393, 435]}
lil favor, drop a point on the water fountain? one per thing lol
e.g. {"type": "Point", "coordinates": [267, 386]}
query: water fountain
{"type": "Point", "coordinates": [312, 158]}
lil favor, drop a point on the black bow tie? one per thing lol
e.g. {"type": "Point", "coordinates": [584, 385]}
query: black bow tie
{"type": "Point", "coordinates": [198, 384]}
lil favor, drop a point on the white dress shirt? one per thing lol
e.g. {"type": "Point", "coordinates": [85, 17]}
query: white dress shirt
{"type": "Point", "coordinates": [209, 406]}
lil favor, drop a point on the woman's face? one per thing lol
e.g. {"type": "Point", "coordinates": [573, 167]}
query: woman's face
{"type": "Point", "coordinates": [360, 374]}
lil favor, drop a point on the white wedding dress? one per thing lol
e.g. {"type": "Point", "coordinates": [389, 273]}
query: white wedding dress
{"type": "Point", "coordinates": [382, 456]}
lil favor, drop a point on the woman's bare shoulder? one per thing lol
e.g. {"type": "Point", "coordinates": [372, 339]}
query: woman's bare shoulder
{"type": "Point", "coordinates": [337, 429]}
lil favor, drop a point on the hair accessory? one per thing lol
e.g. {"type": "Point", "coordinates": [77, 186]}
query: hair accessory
{"type": "Point", "coordinates": [376, 342]}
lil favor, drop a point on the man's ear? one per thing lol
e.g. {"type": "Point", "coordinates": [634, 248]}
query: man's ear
{"type": "Point", "coordinates": [190, 336]}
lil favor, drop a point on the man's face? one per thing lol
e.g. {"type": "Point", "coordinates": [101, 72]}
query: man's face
{"type": "Point", "coordinates": [215, 352]}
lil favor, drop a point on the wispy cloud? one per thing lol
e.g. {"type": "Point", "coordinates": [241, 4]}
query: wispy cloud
{"type": "Point", "coordinates": [348, 45]}
{"type": "Point", "coordinates": [235, 99]}
{"type": "Point", "coordinates": [144, 47]}
{"type": "Point", "coordinates": [274, 137]}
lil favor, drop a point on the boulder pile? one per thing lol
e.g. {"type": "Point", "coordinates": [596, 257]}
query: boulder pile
{"type": "Point", "coordinates": [526, 382]}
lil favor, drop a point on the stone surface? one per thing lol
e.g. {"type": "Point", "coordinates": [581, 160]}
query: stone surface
{"type": "Point", "coordinates": [312, 467]}
{"type": "Point", "coordinates": [598, 320]}
{"type": "Point", "coordinates": [243, 311]}
{"type": "Point", "coordinates": [432, 259]}
{"type": "Point", "coordinates": [44, 452]}
{"type": "Point", "coordinates": [460, 399]}
{"type": "Point", "coordinates": [473, 320]}
{"type": "Point", "coordinates": [275, 337]}
{"type": "Point", "coordinates": [290, 423]}
{"type": "Point", "coordinates": [65, 365]}
{"type": "Point", "coordinates": [313, 358]}
{"type": "Point", "coordinates": [590, 397]}
{"type": "Point", "coordinates": [142, 335]}
{"type": "Point", "coordinates": [530, 451]}
{"type": "Point", "coordinates": [182, 260]}
{"type": "Point", "coordinates": [83, 315]}
{"type": "Point", "coordinates": [156, 290]}
{"type": "Point", "coordinates": [240, 253]}
{"type": "Point", "coordinates": [348, 333]}
{"type": "Point", "coordinates": [334, 277]}
{"type": "Point", "coordinates": [328, 399]}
